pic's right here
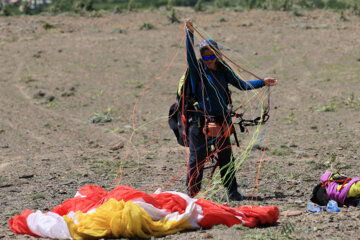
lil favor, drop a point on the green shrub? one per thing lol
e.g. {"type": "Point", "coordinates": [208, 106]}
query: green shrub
{"type": "Point", "coordinates": [171, 4]}
{"type": "Point", "coordinates": [331, 107]}
{"type": "Point", "coordinates": [146, 26]}
{"type": "Point", "coordinates": [95, 14]}
{"type": "Point", "coordinates": [312, 3]}
{"type": "Point", "coordinates": [102, 117]}
{"type": "Point", "coordinates": [222, 3]}
{"type": "Point", "coordinates": [83, 5]}
{"type": "Point", "coordinates": [48, 26]}
{"type": "Point", "coordinates": [5, 10]}
{"type": "Point", "coordinates": [283, 5]}
{"type": "Point", "coordinates": [222, 19]}
{"type": "Point", "coordinates": [131, 5]}
{"type": "Point", "coordinates": [60, 6]}
{"type": "Point", "coordinates": [117, 10]}
{"type": "Point", "coordinates": [198, 6]}
{"type": "Point", "coordinates": [286, 5]}
{"type": "Point", "coordinates": [342, 17]}
{"type": "Point", "coordinates": [172, 18]}
{"type": "Point", "coordinates": [336, 4]}
{"type": "Point", "coordinates": [355, 8]}
{"type": "Point", "coordinates": [25, 7]}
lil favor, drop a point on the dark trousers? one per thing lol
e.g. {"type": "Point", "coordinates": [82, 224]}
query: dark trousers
{"type": "Point", "coordinates": [198, 155]}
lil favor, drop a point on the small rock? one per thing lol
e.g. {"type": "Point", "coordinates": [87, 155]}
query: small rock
{"type": "Point", "coordinates": [27, 176]}
{"type": "Point", "coordinates": [50, 98]}
{"type": "Point", "coordinates": [258, 147]}
{"type": "Point", "coordinates": [304, 27]}
{"type": "Point", "coordinates": [2, 130]}
{"type": "Point", "coordinates": [291, 213]}
{"type": "Point", "coordinates": [207, 235]}
{"type": "Point", "coordinates": [279, 195]}
{"type": "Point", "coordinates": [68, 94]}
{"type": "Point", "coordinates": [70, 182]}
{"type": "Point", "coordinates": [116, 30]}
{"type": "Point", "coordinates": [38, 54]}
{"type": "Point", "coordinates": [117, 147]}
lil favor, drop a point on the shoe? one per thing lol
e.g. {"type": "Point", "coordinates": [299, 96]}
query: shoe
{"type": "Point", "coordinates": [236, 196]}
{"type": "Point", "coordinates": [191, 194]}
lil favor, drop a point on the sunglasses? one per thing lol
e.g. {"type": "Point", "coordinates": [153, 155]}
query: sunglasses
{"type": "Point", "coordinates": [207, 58]}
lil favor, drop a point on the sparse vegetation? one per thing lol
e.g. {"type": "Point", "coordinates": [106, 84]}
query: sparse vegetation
{"type": "Point", "coordinates": [35, 196]}
{"type": "Point", "coordinates": [48, 26]}
{"type": "Point", "coordinates": [102, 117]}
{"type": "Point", "coordinates": [81, 6]}
{"type": "Point", "coordinates": [350, 102]}
{"type": "Point", "coordinates": [329, 108]}
{"type": "Point", "coordinates": [27, 79]}
{"type": "Point", "coordinates": [25, 7]}
{"type": "Point", "coordinates": [336, 103]}
{"type": "Point", "coordinates": [317, 165]}
{"type": "Point", "coordinates": [290, 118]}
{"type": "Point", "coordinates": [117, 10]}
{"type": "Point", "coordinates": [116, 30]}
{"type": "Point", "coordinates": [283, 151]}
{"type": "Point", "coordinates": [198, 6]}
{"type": "Point", "coordinates": [173, 18]}
{"type": "Point", "coordinates": [6, 10]}
{"type": "Point", "coordinates": [146, 26]}
{"type": "Point", "coordinates": [222, 19]}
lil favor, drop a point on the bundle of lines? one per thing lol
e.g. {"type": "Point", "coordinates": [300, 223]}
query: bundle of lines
{"type": "Point", "coordinates": [250, 105]}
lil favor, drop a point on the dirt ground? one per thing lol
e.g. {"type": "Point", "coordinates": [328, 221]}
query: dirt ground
{"type": "Point", "coordinates": [57, 71]}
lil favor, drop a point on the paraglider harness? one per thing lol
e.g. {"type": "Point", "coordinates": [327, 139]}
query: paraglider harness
{"type": "Point", "coordinates": [180, 116]}
{"type": "Point", "coordinates": [183, 112]}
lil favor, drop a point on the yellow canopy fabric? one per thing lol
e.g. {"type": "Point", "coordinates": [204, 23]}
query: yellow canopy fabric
{"type": "Point", "coordinates": [118, 218]}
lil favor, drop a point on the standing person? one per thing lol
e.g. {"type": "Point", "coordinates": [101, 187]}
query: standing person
{"type": "Point", "coordinates": [209, 78]}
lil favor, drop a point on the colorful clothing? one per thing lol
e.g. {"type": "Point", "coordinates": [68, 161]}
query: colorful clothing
{"type": "Point", "coordinates": [341, 192]}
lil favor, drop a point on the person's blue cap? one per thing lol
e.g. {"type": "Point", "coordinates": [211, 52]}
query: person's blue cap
{"type": "Point", "coordinates": [207, 43]}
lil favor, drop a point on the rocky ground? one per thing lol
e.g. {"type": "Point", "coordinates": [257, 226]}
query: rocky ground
{"type": "Point", "coordinates": [58, 72]}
